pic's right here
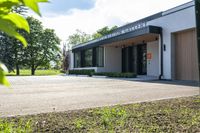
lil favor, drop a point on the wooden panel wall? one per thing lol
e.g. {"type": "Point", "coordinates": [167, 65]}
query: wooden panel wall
{"type": "Point", "coordinates": [186, 59]}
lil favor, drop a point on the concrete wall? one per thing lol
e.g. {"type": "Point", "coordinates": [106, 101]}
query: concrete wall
{"type": "Point", "coordinates": [153, 63]}
{"type": "Point", "coordinates": [112, 60]}
{"type": "Point", "coordinates": [174, 20]}
{"type": "Point", "coordinates": [71, 61]}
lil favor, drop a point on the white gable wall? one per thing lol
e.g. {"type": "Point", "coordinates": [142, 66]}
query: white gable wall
{"type": "Point", "coordinates": [173, 22]}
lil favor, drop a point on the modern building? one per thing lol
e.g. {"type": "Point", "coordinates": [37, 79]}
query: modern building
{"type": "Point", "coordinates": [162, 45]}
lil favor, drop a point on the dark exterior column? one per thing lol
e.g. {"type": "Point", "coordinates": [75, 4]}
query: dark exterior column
{"type": "Point", "coordinates": [197, 12]}
{"type": "Point", "coordinates": [82, 58]}
{"type": "Point", "coordinates": [94, 62]}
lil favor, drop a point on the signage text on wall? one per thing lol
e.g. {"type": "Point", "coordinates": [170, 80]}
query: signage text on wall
{"type": "Point", "coordinates": [124, 30]}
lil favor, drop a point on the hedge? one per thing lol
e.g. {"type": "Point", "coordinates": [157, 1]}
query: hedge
{"type": "Point", "coordinates": [91, 72]}
{"type": "Point", "coordinates": [116, 74]}
{"type": "Point", "coordinates": [88, 72]}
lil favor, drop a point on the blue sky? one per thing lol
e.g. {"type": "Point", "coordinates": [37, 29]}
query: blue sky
{"type": "Point", "coordinates": [63, 6]}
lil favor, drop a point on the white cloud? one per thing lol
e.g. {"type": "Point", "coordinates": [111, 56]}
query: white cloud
{"type": "Point", "coordinates": [105, 13]}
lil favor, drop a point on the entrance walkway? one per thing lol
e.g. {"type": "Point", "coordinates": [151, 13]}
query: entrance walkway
{"type": "Point", "coordinates": [145, 78]}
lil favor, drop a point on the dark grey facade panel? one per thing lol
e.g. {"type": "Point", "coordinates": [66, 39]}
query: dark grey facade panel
{"type": "Point", "coordinates": [149, 18]}
{"type": "Point", "coordinates": [136, 33]}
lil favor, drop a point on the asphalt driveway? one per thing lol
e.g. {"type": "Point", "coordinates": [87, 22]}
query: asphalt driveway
{"type": "Point", "coordinates": [32, 95]}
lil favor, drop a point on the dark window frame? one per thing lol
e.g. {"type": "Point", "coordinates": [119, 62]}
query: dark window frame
{"type": "Point", "coordinates": [97, 57]}
{"type": "Point", "coordinates": [75, 62]}
{"type": "Point", "coordinates": [88, 63]}
{"type": "Point", "coordinates": [96, 52]}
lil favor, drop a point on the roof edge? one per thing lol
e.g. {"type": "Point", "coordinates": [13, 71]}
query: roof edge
{"type": "Point", "coordinates": [146, 19]}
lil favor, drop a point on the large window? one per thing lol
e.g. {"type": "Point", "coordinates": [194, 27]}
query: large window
{"type": "Point", "coordinates": [77, 59]}
{"type": "Point", "coordinates": [88, 58]}
{"type": "Point", "coordinates": [99, 56]}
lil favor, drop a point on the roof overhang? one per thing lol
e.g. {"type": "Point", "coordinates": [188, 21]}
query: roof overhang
{"type": "Point", "coordinates": [132, 34]}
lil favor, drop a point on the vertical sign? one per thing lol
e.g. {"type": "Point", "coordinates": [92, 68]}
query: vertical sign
{"type": "Point", "coordinates": [197, 12]}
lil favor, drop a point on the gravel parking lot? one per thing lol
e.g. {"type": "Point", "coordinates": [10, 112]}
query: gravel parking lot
{"type": "Point", "coordinates": [42, 94]}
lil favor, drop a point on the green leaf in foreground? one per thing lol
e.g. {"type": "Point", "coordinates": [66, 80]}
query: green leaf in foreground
{"type": "Point", "coordinates": [18, 20]}
{"type": "Point", "coordinates": [33, 4]}
{"type": "Point", "coordinates": [9, 28]}
{"type": "Point", "coordinates": [11, 22]}
{"type": "Point", "coordinates": [3, 79]}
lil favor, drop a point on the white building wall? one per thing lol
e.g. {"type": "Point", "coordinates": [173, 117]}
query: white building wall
{"type": "Point", "coordinates": [153, 63]}
{"type": "Point", "coordinates": [71, 61]}
{"type": "Point", "coordinates": [112, 60]}
{"type": "Point", "coordinates": [173, 20]}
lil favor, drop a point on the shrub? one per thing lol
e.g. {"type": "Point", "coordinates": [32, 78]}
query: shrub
{"type": "Point", "coordinates": [88, 72]}
{"type": "Point", "coordinates": [116, 74]}
{"type": "Point", "coordinates": [62, 71]}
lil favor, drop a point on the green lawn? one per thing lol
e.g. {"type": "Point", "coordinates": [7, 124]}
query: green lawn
{"type": "Point", "coordinates": [37, 73]}
{"type": "Point", "coordinates": [175, 115]}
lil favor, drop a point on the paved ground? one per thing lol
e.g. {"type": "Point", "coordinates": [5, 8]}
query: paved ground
{"type": "Point", "coordinates": [32, 95]}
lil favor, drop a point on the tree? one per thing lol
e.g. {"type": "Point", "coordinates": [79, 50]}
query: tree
{"type": "Point", "coordinates": [66, 56]}
{"type": "Point", "coordinates": [81, 37]}
{"type": "Point", "coordinates": [11, 22]}
{"type": "Point", "coordinates": [43, 46]}
{"type": "Point", "coordinates": [6, 54]}
{"type": "Point", "coordinates": [11, 52]}
{"type": "Point", "coordinates": [78, 37]}
{"type": "Point", "coordinates": [103, 31]}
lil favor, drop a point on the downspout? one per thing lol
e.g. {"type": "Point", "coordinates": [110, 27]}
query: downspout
{"type": "Point", "coordinates": [161, 55]}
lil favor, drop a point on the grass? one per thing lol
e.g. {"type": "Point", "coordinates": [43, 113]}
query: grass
{"type": "Point", "coordinates": [13, 127]}
{"type": "Point", "coordinates": [175, 115]}
{"type": "Point", "coordinates": [37, 73]}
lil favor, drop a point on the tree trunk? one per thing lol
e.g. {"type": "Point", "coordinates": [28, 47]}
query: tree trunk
{"type": "Point", "coordinates": [17, 70]}
{"type": "Point", "coordinates": [17, 63]}
{"type": "Point", "coordinates": [32, 70]}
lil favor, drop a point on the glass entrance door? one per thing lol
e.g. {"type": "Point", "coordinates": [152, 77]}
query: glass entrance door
{"type": "Point", "coordinates": [142, 59]}
{"type": "Point", "coordinates": [128, 59]}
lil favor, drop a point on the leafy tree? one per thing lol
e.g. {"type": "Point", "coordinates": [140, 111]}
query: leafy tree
{"type": "Point", "coordinates": [10, 22]}
{"type": "Point", "coordinates": [6, 54]}
{"type": "Point", "coordinates": [43, 46]}
{"type": "Point", "coordinates": [81, 37]}
{"type": "Point", "coordinates": [11, 52]}
{"type": "Point", "coordinates": [78, 37]}
{"type": "Point", "coordinates": [22, 10]}
{"type": "Point", "coordinates": [65, 57]}
{"type": "Point", "coordinates": [103, 31]}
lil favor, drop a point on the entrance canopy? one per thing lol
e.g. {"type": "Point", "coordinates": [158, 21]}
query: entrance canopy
{"type": "Point", "coordinates": [135, 40]}
{"type": "Point", "coordinates": [146, 33]}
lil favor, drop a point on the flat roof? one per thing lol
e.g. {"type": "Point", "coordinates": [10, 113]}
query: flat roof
{"type": "Point", "coordinates": [128, 35]}
{"type": "Point", "coordinates": [132, 29]}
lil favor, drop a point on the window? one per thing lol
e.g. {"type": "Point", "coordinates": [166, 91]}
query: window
{"type": "Point", "coordinates": [99, 56]}
{"type": "Point", "coordinates": [93, 57]}
{"type": "Point", "coordinates": [77, 59]}
{"type": "Point", "coordinates": [88, 58]}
